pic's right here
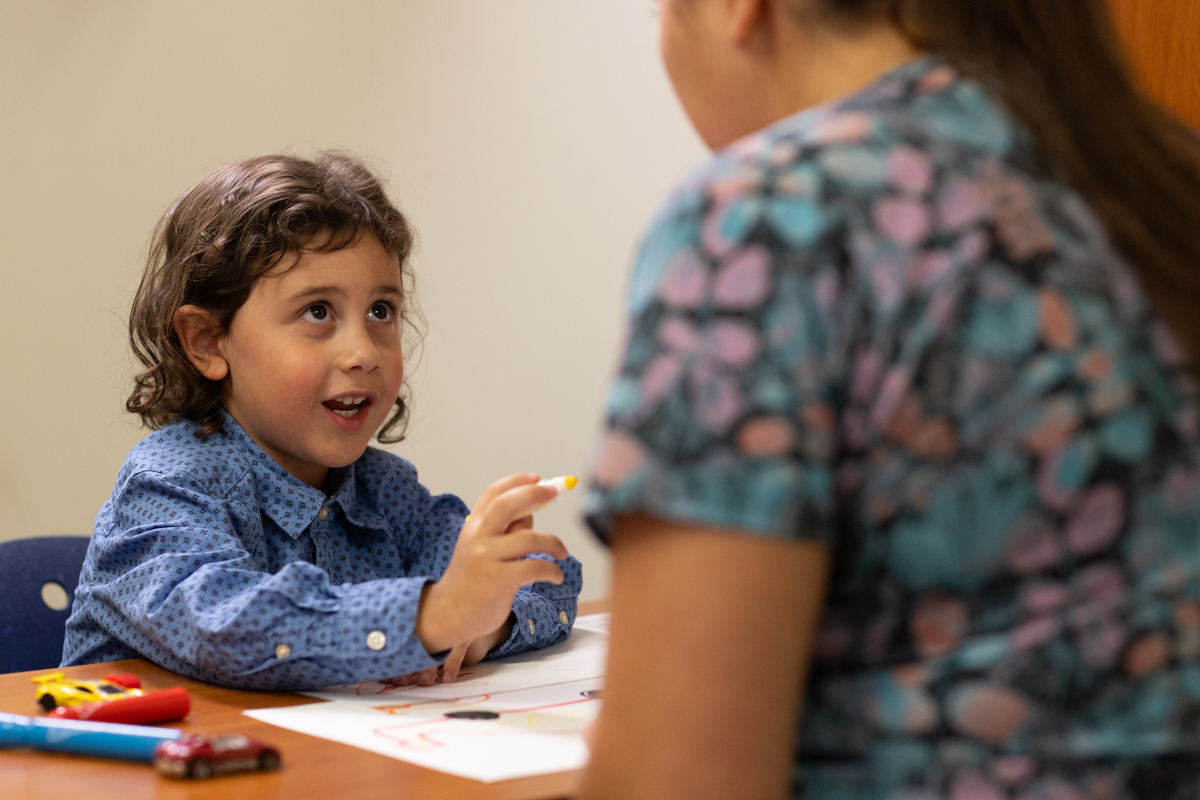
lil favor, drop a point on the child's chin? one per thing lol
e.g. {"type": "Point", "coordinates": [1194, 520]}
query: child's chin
{"type": "Point", "coordinates": [344, 457]}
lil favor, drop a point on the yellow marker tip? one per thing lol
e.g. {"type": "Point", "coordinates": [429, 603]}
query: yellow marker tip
{"type": "Point", "coordinates": [570, 482]}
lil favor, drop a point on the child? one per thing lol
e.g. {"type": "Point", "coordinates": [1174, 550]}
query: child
{"type": "Point", "coordinates": [254, 540]}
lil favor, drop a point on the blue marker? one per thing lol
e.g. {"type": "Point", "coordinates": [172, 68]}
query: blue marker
{"type": "Point", "coordinates": [100, 739]}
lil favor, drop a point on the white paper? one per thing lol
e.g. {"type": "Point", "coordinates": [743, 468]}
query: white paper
{"type": "Point", "coordinates": [601, 623]}
{"type": "Point", "coordinates": [581, 656]}
{"type": "Point", "coordinates": [543, 701]}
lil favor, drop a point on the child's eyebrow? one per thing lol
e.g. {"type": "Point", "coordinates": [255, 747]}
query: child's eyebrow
{"type": "Point", "coordinates": [314, 291]}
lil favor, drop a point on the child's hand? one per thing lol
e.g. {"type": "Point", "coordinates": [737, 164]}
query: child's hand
{"type": "Point", "coordinates": [474, 597]}
{"type": "Point", "coordinates": [426, 677]}
{"type": "Point", "coordinates": [463, 655]}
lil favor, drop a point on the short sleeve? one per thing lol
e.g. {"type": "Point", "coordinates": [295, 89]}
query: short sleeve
{"type": "Point", "coordinates": [722, 412]}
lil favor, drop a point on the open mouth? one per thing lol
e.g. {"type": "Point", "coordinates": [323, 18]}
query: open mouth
{"type": "Point", "coordinates": [348, 407]}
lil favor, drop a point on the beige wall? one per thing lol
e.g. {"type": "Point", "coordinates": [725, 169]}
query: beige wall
{"type": "Point", "coordinates": [529, 141]}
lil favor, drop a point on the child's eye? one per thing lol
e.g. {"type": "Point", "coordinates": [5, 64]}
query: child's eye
{"type": "Point", "coordinates": [317, 312]}
{"type": "Point", "coordinates": [381, 312]}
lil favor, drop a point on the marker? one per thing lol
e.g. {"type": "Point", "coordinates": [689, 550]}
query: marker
{"type": "Point", "coordinates": [101, 739]}
{"type": "Point", "coordinates": [165, 705]}
{"type": "Point", "coordinates": [563, 483]}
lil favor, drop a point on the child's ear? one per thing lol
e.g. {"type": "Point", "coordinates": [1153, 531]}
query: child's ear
{"type": "Point", "coordinates": [200, 334]}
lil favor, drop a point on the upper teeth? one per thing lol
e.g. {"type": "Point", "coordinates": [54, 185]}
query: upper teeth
{"type": "Point", "coordinates": [351, 400]}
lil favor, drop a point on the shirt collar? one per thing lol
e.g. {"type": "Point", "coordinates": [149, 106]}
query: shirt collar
{"type": "Point", "coordinates": [290, 502]}
{"type": "Point", "coordinates": [346, 495]}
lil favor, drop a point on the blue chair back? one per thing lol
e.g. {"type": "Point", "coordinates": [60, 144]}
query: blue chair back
{"type": "Point", "coordinates": [31, 632]}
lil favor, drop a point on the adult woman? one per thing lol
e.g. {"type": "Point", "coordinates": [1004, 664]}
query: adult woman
{"type": "Point", "coordinates": [884, 345]}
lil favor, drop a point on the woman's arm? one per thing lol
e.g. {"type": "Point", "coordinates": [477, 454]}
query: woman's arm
{"type": "Point", "coordinates": [709, 653]}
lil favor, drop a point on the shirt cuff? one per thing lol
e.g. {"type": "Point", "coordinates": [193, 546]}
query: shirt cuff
{"type": "Point", "coordinates": [539, 623]}
{"type": "Point", "coordinates": [373, 624]}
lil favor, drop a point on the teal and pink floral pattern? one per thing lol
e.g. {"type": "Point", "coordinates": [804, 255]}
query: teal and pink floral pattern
{"type": "Point", "coordinates": [885, 324]}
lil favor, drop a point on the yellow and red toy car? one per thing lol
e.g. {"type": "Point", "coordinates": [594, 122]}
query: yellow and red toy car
{"type": "Point", "coordinates": [58, 690]}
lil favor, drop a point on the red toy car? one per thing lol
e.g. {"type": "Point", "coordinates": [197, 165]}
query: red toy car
{"type": "Point", "coordinates": [197, 755]}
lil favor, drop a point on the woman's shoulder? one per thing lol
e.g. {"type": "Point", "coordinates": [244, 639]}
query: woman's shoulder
{"type": "Point", "coordinates": [916, 160]}
{"type": "Point", "coordinates": [901, 131]}
{"type": "Point", "coordinates": [908, 132]}
{"type": "Point", "coordinates": [926, 102]}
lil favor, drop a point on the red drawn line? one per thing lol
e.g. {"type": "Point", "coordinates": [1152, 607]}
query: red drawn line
{"type": "Point", "coordinates": [512, 711]}
{"type": "Point", "coordinates": [552, 705]}
{"type": "Point", "coordinates": [394, 709]}
{"type": "Point", "coordinates": [425, 740]}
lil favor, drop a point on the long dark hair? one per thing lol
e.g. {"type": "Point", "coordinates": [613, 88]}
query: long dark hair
{"type": "Point", "coordinates": [225, 233]}
{"type": "Point", "coordinates": [1058, 67]}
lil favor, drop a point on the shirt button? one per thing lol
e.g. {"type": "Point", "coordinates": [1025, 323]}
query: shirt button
{"type": "Point", "coordinates": [376, 640]}
{"type": "Point", "coordinates": [532, 628]}
{"type": "Point", "coordinates": [563, 618]}
{"type": "Point", "coordinates": [282, 651]}
{"type": "Point", "coordinates": [323, 513]}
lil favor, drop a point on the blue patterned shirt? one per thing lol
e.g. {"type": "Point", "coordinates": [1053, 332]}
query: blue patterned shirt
{"type": "Point", "coordinates": [887, 325]}
{"type": "Point", "coordinates": [213, 561]}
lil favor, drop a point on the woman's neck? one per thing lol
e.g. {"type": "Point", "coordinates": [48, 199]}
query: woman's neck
{"type": "Point", "coordinates": [817, 64]}
{"type": "Point", "coordinates": [781, 66]}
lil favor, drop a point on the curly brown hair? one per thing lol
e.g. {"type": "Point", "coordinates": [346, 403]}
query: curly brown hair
{"type": "Point", "coordinates": [225, 233]}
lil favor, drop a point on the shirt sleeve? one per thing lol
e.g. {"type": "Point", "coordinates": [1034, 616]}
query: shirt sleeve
{"type": "Point", "coordinates": [173, 580]}
{"type": "Point", "coordinates": [544, 612]}
{"type": "Point", "coordinates": [722, 412]}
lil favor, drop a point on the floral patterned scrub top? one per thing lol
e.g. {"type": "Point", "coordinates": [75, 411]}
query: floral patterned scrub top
{"type": "Point", "coordinates": [885, 325]}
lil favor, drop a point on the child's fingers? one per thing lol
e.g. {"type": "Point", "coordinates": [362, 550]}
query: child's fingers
{"type": "Point", "coordinates": [524, 543]}
{"type": "Point", "coordinates": [497, 488]}
{"type": "Point", "coordinates": [453, 662]}
{"type": "Point", "coordinates": [535, 570]}
{"type": "Point", "coordinates": [477, 649]}
{"type": "Point", "coordinates": [427, 677]}
{"type": "Point", "coordinates": [522, 524]}
{"type": "Point", "coordinates": [409, 679]}
{"type": "Point", "coordinates": [513, 504]}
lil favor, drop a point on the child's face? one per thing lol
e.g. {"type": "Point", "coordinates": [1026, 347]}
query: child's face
{"type": "Point", "coordinates": [314, 357]}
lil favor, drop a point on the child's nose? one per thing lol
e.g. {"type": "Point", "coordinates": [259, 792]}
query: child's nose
{"type": "Point", "coordinates": [359, 350]}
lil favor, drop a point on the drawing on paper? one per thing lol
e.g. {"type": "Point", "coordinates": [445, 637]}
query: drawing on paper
{"type": "Point", "coordinates": [537, 706]}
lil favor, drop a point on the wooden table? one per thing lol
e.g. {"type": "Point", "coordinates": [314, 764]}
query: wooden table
{"type": "Point", "coordinates": [311, 767]}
